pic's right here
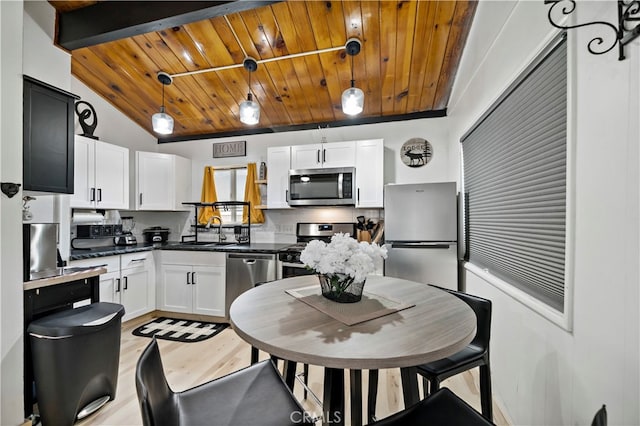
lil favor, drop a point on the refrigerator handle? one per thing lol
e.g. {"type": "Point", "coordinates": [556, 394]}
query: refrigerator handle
{"type": "Point", "coordinates": [421, 245]}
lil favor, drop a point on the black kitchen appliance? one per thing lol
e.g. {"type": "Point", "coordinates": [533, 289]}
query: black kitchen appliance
{"type": "Point", "coordinates": [126, 238]}
{"type": "Point", "coordinates": [289, 257]}
{"type": "Point", "coordinates": [156, 235]}
{"type": "Point", "coordinates": [98, 231]}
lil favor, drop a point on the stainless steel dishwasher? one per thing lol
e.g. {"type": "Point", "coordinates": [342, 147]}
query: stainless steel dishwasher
{"type": "Point", "coordinates": [245, 271]}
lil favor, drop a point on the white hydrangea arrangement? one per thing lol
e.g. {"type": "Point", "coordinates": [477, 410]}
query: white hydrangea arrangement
{"type": "Point", "coordinates": [343, 255]}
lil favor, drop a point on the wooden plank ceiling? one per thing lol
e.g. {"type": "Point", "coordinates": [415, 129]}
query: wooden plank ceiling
{"type": "Point", "coordinates": [406, 68]}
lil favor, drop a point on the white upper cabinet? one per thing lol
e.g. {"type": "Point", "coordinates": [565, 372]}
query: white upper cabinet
{"type": "Point", "coordinates": [163, 181]}
{"type": "Point", "coordinates": [323, 155]}
{"type": "Point", "coordinates": [369, 173]}
{"type": "Point", "coordinates": [101, 175]}
{"type": "Point", "coordinates": [278, 165]}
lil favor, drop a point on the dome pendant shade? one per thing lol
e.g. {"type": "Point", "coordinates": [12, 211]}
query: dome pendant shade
{"type": "Point", "coordinates": [249, 111]}
{"type": "Point", "coordinates": [352, 101]}
{"type": "Point", "coordinates": [162, 122]}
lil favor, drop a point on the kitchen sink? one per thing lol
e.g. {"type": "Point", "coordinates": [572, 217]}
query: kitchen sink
{"type": "Point", "coordinates": [207, 243]}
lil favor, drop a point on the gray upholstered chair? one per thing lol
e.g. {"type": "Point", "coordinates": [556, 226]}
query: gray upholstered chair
{"type": "Point", "coordinates": [255, 395]}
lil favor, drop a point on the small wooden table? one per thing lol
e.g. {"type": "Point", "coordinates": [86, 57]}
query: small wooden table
{"type": "Point", "coordinates": [437, 326]}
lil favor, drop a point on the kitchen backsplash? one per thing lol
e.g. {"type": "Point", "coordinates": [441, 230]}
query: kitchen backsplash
{"type": "Point", "coordinates": [279, 226]}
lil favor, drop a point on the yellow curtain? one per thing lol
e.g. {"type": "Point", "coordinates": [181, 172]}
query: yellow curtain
{"type": "Point", "coordinates": [208, 195]}
{"type": "Point", "coordinates": [252, 195]}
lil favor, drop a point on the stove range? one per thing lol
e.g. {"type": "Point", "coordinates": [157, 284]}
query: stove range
{"type": "Point", "coordinates": [289, 257]}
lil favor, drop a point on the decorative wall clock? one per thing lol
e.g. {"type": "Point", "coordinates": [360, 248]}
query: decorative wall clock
{"type": "Point", "coordinates": [416, 152]}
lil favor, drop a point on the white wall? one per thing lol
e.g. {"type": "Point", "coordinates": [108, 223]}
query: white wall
{"type": "Point", "coordinates": [394, 134]}
{"type": "Point", "coordinates": [280, 224]}
{"type": "Point", "coordinates": [11, 404]}
{"type": "Point", "coordinates": [541, 373]}
{"type": "Point", "coordinates": [113, 126]}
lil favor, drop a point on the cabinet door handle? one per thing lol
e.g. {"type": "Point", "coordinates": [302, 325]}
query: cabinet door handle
{"type": "Point", "coordinates": [99, 194]}
{"type": "Point", "coordinates": [324, 155]}
{"type": "Point", "coordinates": [286, 195]}
{"type": "Point", "coordinates": [93, 194]}
{"type": "Point", "coordinates": [140, 198]}
{"type": "Point", "coordinates": [188, 275]}
{"type": "Point", "coordinates": [193, 278]}
{"type": "Point", "coordinates": [358, 196]}
{"type": "Point", "coordinates": [117, 285]}
{"type": "Point", "coordinates": [126, 283]}
{"type": "Point", "coordinates": [318, 156]}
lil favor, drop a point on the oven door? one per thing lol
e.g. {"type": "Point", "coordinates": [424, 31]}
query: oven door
{"type": "Point", "coordinates": [288, 270]}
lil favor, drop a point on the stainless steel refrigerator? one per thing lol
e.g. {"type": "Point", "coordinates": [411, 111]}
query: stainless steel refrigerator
{"type": "Point", "coordinates": [421, 233]}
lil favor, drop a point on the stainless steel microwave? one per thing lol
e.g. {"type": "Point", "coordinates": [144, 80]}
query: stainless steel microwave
{"type": "Point", "coordinates": [322, 187]}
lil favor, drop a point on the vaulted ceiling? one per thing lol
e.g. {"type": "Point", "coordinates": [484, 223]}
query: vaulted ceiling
{"type": "Point", "coordinates": [406, 67]}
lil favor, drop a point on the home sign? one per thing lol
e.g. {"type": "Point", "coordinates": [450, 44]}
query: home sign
{"type": "Point", "coordinates": [230, 149]}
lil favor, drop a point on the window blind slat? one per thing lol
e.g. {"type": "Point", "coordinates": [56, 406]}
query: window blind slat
{"type": "Point", "coordinates": [514, 179]}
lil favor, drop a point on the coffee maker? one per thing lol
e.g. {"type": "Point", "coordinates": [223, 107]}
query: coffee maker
{"type": "Point", "coordinates": [40, 250]}
{"type": "Point", "coordinates": [126, 238]}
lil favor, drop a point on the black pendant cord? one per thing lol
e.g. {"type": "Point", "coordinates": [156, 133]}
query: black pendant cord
{"type": "Point", "coordinates": [353, 82]}
{"type": "Point", "coordinates": [162, 106]}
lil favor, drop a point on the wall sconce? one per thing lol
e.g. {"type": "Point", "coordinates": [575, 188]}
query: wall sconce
{"type": "Point", "coordinates": [249, 109]}
{"type": "Point", "coordinates": [352, 98]}
{"type": "Point", "coordinates": [625, 32]}
{"type": "Point", "coordinates": [161, 121]}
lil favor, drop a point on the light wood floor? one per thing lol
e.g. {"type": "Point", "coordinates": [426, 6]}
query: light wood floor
{"type": "Point", "coordinates": [190, 364]}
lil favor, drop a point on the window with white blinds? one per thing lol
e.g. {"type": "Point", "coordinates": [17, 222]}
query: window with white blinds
{"type": "Point", "coordinates": [514, 180]}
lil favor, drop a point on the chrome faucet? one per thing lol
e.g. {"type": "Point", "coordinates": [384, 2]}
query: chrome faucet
{"type": "Point", "coordinates": [212, 219]}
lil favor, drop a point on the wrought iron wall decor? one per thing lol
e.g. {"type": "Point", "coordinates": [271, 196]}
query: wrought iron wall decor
{"type": "Point", "coordinates": [83, 116]}
{"type": "Point", "coordinates": [628, 27]}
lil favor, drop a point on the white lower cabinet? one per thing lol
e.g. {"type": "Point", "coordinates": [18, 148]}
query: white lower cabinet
{"type": "Point", "coordinates": [192, 282]}
{"type": "Point", "coordinates": [129, 280]}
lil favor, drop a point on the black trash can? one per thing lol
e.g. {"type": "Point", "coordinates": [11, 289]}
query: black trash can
{"type": "Point", "coordinates": [75, 361]}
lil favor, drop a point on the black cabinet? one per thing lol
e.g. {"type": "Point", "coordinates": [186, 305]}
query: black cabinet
{"type": "Point", "coordinates": [47, 138]}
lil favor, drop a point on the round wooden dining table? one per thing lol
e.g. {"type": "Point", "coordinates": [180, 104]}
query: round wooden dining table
{"type": "Point", "coordinates": [432, 324]}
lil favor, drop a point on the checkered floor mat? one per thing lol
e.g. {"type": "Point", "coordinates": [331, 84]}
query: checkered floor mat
{"type": "Point", "coordinates": [179, 330]}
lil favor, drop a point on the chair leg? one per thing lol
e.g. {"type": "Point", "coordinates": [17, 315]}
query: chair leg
{"type": "Point", "coordinates": [425, 387]}
{"type": "Point", "coordinates": [372, 395]}
{"type": "Point", "coordinates": [305, 370]}
{"type": "Point", "coordinates": [290, 373]}
{"type": "Point", "coordinates": [434, 385]}
{"type": "Point", "coordinates": [356, 396]}
{"type": "Point", "coordinates": [486, 401]}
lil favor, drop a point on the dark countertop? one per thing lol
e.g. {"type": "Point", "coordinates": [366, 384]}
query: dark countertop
{"type": "Point", "coordinates": [236, 248]}
{"type": "Point", "coordinates": [93, 253]}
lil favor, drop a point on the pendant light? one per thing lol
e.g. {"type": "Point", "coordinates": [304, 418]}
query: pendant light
{"type": "Point", "coordinates": [249, 109]}
{"type": "Point", "coordinates": [352, 98]}
{"type": "Point", "coordinates": [161, 121]}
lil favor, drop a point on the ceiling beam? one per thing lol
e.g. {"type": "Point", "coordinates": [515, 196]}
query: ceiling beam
{"type": "Point", "coordinates": [113, 20]}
